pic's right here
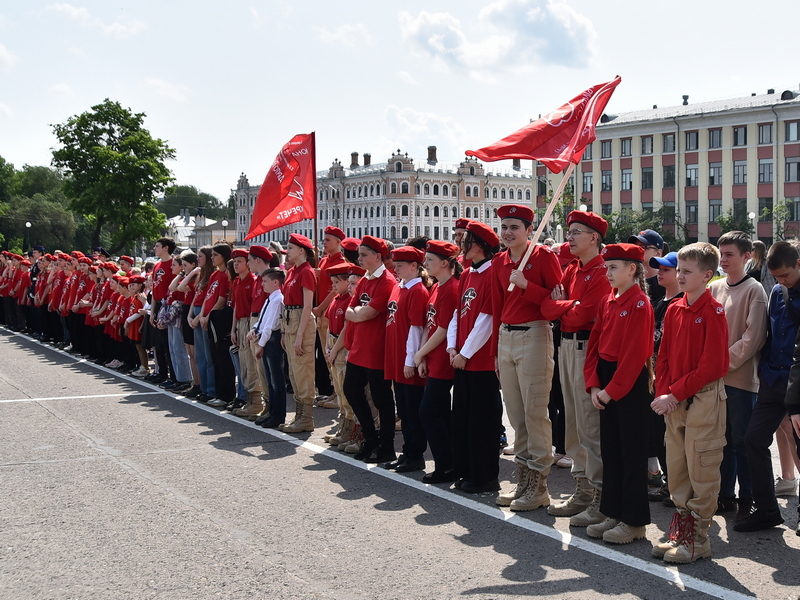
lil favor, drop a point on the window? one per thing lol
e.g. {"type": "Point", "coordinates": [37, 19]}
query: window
{"type": "Point", "coordinates": [416, 210]}
{"type": "Point", "coordinates": [740, 136]}
{"type": "Point", "coordinates": [691, 175]}
{"type": "Point", "coordinates": [427, 211]}
{"type": "Point", "coordinates": [486, 193]}
{"type": "Point", "coordinates": [487, 214]}
{"type": "Point", "coordinates": [793, 131]}
{"type": "Point", "coordinates": [765, 134]}
{"type": "Point", "coordinates": [740, 209]}
{"type": "Point", "coordinates": [503, 194]}
{"type": "Point", "coordinates": [455, 212]}
{"type": "Point", "coordinates": [427, 231]}
{"type": "Point", "coordinates": [359, 191]}
{"type": "Point", "coordinates": [691, 142]}
{"type": "Point", "coordinates": [647, 144]}
{"type": "Point", "coordinates": [627, 179]}
{"type": "Point", "coordinates": [715, 173]}
{"type": "Point", "coordinates": [541, 186]}
{"type": "Point", "coordinates": [587, 152]}
{"type": "Point", "coordinates": [427, 190]}
{"type": "Point", "coordinates": [691, 211]}
{"type": "Point", "coordinates": [378, 212]}
{"type": "Point", "coordinates": [647, 178]}
{"type": "Point", "coordinates": [393, 210]}
{"type": "Point", "coordinates": [714, 210]}
{"type": "Point", "coordinates": [625, 147]}
{"type": "Point", "coordinates": [519, 194]}
{"type": "Point", "coordinates": [669, 142]}
{"type": "Point", "coordinates": [404, 233]}
{"type": "Point", "coordinates": [404, 212]}
{"type": "Point", "coordinates": [527, 194]}
{"type": "Point", "coordinates": [472, 170]}
{"type": "Point", "coordinates": [445, 191]}
{"type": "Point", "coordinates": [398, 167]}
{"type": "Point", "coordinates": [394, 233]}
{"type": "Point", "coordinates": [605, 149]}
{"type": "Point", "coordinates": [668, 211]}
{"type": "Point", "coordinates": [606, 209]}
{"type": "Point", "coordinates": [739, 172]}
{"type": "Point", "coordinates": [474, 192]}
{"type": "Point", "coordinates": [468, 212]}
{"type": "Point", "coordinates": [404, 187]}
{"type": "Point", "coordinates": [455, 192]}
{"type": "Point", "coordinates": [436, 189]}
{"type": "Point", "coordinates": [444, 211]}
{"type": "Point", "coordinates": [792, 169]}
{"type": "Point", "coordinates": [794, 208]}
{"type": "Point", "coordinates": [606, 181]}
{"type": "Point", "coordinates": [765, 170]}
{"type": "Point", "coordinates": [647, 208]}
{"type": "Point", "coordinates": [625, 211]}
{"type": "Point", "coordinates": [669, 176]}
{"type": "Point", "coordinates": [765, 210]}
{"type": "Point", "coordinates": [715, 138]}
{"type": "Point", "coordinates": [416, 189]}
{"type": "Point", "coordinates": [494, 193]}
{"type": "Point", "coordinates": [436, 233]}
{"type": "Point", "coordinates": [469, 193]}
{"type": "Point", "coordinates": [587, 182]}
{"type": "Point", "coordinates": [393, 188]}
{"type": "Point", "coordinates": [371, 213]}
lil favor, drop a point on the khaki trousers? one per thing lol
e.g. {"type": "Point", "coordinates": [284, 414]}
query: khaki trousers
{"type": "Point", "coordinates": [248, 365]}
{"type": "Point", "coordinates": [525, 360]}
{"type": "Point", "coordinates": [263, 386]}
{"type": "Point", "coordinates": [301, 368]}
{"type": "Point", "coordinates": [337, 370]}
{"type": "Point", "coordinates": [695, 440]}
{"type": "Point", "coordinates": [581, 418]}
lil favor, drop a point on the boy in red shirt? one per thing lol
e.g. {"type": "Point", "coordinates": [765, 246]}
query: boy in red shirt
{"type": "Point", "coordinates": [692, 360]}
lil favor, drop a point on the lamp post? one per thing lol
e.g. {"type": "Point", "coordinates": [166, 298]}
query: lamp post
{"type": "Point", "coordinates": [27, 235]}
{"type": "Point", "coordinates": [752, 217]}
{"type": "Point", "coordinates": [224, 229]}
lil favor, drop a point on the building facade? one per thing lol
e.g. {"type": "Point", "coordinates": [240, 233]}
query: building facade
{"type": "Point", "coordinates": [697, 161]}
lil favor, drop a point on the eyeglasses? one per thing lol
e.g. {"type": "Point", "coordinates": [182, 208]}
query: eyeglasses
{"type": "Point", "coordinates": [651, 247]}
{"type": "Point", "coordinates": [574, 232]}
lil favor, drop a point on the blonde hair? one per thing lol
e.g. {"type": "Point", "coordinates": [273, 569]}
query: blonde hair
{"type": "Point", "coordinates": [706, 255]}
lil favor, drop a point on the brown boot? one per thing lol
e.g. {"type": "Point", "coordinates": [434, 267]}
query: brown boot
{"type": "Point", "coordinates": [303, 420]}
{"type": "Point", "coordinates": [592, 514]}
{"type": "Point", "coordinates": [345, 433]}
{"type": "Point", "coordinates": [252, 408]}
{"type": "Point", "coordinates": [578, 502]}
{"type": "Point", "coordinates": [524, 477]}
{"type": "Point", "coordinates": [674, 535]}
{"type": "Point", "coordinates": [535, 494]}
{"type": "Point", "coordinates": [695, 543]}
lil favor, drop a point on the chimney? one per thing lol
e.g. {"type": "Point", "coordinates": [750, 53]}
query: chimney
{"type": "Point", "coordinates": [655, 106]}
{"type": "Point", "coordinates": [432, 155]}
{"type": "Point", "coordinates": [516, 164]}
{"type": "Point", "coordinates": [685, 100]}
{"type": "Point", "coordinates": [771, 91]}
{"type": "Point", "coordinates": [367, 159]}
{"type": "Point", "coordinates": [353, 160]}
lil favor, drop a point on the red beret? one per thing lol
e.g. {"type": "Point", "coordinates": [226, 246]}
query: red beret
{"type": "Point", "coordinates": [126, 259]}
{"type": "Point", "coordinates": [335, 231]}
{"type": "Point", "coordinates": [351, 244]}
{"type": "Point", "coordinates": [239, 253]}
{"type": "Point", "coordinates": [124, 281]}
{"type": "Point", "coordinates": [136, 279]}
{"type": "Point", "coordinates": [110, 266]}
{"type": "Point", "coordinates": [261, 252]}
{"type": "Point", "coordinates": [301, 240]}
{"type": "Point", "coordinates": [50, 257]}
{"type": "Point", "coordinates": [116, 277]}
{"type": "Point", "coordinates": [85, 260]}
{"type": "Point", "coordinates": [623, 252]}
{"type": "Point", "coordinates": [25, 263]}
{"type": "Point", "coordinates": [376, 244]}
{"type": "Point", "coordinates": [76, 254]}
{"type": "Point", "coordinates": [484, 232]}
{"type": "Point", "coordinates": [516, 211]}
{"type": "Point", "coordinates": [356, 270]}
{"type": "Point", "coordinates": [92, 269]}
{"type": "Point", "coordinates": [408, 254]}
{"type": "Point", "coordinates": [565, 255]}
{"type": "Point", "coordinates": [443, 249]}
{"type": "Point", "coordinates": [462, 223]}
{"type": "Point", "coordinates": [340, 269]}
{"type": "Point", "coordinates": [591, 220]}
{"type": "Point", "coordinates": [63, 256]}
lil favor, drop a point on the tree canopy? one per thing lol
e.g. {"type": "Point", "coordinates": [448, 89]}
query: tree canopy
{"type": "Point", "coordinates": [114, 170]}
{"type": "Point", "coordinates": [188, 197]}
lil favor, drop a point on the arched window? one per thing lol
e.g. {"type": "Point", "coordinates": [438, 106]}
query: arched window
{"type": "Point", "coordinates": [495, 213]}
{"type": "Point", "coordinates": [416, 189]}
{"type": "Point", "coordinates": [527, 194]}
{"type": "Point", "coordinates": [427, 189]}
{"type": "Point", "coordinates": [494, 193]}
{"type": "Point", "coordinates": [378, 212]}
{"type": "Point", "coordinates": [398, 167]}
{"type": "Point", "coordinates": [436, 189]}
{"type": "Point", "coordinates": [393, 211]}
{"type": "Point", "coordinates": [372, 190]}
{"type": "Point", "coordinates": [393, 188]}
{"type": "Point", "coordinates": [427, 211]}
{"type": "Point", "coordinates": [359, 213]}
{"type": "Point", "coordinates": [487, 214]}
{"type": "Point", "coordinates": [455, 192]}
{"type": "Point", "coordinates": [472, 170]}
{"type": "Point", "coordinates": [436, 211]}
{"type": "Point", "coordinates": [445, 211]}
{"type": "Point", "coordinates": [416, 211]}
{"type": "Point", "coordinates": [468, 212]}
{"type": "Point", "coordinates": [503, 194]}
{"type": "Point", "coordinates": [371, 212]}
{"type": "Point", "coordinates": [348, 213]}
{"type": "Point", "coordinates": [486, 193]}
{"type": "Point", "coordinates": [475, 191]}
{"type": "Point", "coordinates": [404, 233]}
{"type": "Point", "coordinates": [404, 187]}
{"type": "Point", "coordinates": [394, 232]}
{"type": "Point", "coordinates": [404, 210]}
{"type": "Point", "coordinates": [445, 190]}
{"type": "Point", "coordinates": [519, 194]}
{"type": "Point", "coordinates": [359, 191]}
{"type": "Point", "coordinates": [455, 212]}
{"type": "Point", "coordinates": [469, 191]}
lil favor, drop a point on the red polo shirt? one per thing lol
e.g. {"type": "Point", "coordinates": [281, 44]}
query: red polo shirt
{"type": "Point", "coordinates": [162, 277]}
{"type": "Point", "coordinates": [298, 278]}
{"type": "Point", "coordinates": [589, 285]}
{"type": "Point", "coordinates": [242, 295]}
{"type": "Point", "coordinates": [335, 313]}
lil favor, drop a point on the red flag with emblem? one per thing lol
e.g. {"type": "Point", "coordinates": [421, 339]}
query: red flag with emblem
{"type": "Point", "coordinates": [289, 191]}
{"type": "Point", "coordinates": [559, 137]}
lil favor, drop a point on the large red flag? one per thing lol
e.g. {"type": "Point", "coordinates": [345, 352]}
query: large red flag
{"type": "Point", "coordinates": [289, 191]}
{"type": "Point", "coordinates": [558, 138]}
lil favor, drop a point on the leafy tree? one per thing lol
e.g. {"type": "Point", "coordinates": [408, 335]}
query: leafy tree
{"type": "Point", "coordinates": [114, 169]}
{"type": "Point", "coordinates": [188, 197]}
{"type": "Point", "coordinates": [727, 221]}
{"type": "Point", "coordinates": [780, 213]}
{"type": "Point", "coordinates": [38, 180]}
{"type": "Point", "coordinates": [51, 223]}
{"type": "Point", "coordinates": [7, 173]}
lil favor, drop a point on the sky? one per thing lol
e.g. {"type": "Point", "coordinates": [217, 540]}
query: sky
{"type": "Point", "coordinates": [226, 84]}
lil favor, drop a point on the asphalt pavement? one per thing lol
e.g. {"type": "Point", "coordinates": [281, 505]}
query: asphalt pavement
{"type": "Point", "coordinates": [113, 488]}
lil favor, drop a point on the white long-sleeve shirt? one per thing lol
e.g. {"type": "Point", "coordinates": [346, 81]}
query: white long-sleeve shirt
{"type": "Point", "coordinates": [269, 319]}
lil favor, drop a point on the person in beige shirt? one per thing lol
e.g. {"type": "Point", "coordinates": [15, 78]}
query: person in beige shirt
{"type": "Point", "coordinates": [745, 305]}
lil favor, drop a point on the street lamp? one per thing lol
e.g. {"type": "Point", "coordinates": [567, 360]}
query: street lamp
{"type": "Point", "coordinates": [582, 208]}
{"type": "Point", "coordinates": [752, 217]}
{"type": "Point", "coordinates": [224, 229]}
{"type": "Point", "coordinates": [27, 235]}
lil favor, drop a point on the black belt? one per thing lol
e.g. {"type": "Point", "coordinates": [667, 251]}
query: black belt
{"type": "Point", "coordinates": [336, 335]}
{"type": "Point", "coordinates": [581, 335]}
{"type": "Point", "coordinates": [516, 327]}
{"type": "Point", "coordinates": [292, 306]}
{"type": "Point", "coordinates": [255, 314]}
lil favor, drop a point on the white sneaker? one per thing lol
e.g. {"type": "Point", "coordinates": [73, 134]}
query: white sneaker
{"type": "Point", "coordinates": [141, 372]}
{"type": "Point", "coordinates": [564, 462]}
{"type": "Point", "coordinates": [115, 364]}
{"type": "Point", "coordinates": [216, 402]}
{"type": "Point", "coordinates": [786, 487]}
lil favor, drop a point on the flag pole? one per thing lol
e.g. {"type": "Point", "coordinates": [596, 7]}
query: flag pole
{"type": "Point", "coordinates": [538, 233]}
{"type": "Point", "coordinates": [316, 208]}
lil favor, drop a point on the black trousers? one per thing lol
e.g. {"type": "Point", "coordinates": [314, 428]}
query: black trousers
{"type": "Point", "coordinates": [409, 399]}
{"type": "Point", "coordinates": [220, 323]}
{"type": "Point", "coordinates": [322, 376]}
{"type": "Point", "coordinates": [555, 408]}
{"type": "Point", "coordinates": [475, 424]}
{"type": "Point", "coordinates": [764, 422]}
{"type": "Point", "coordinates": [161, 347]}
{"type": "Point", "coordinates": [355, 380]}
{"type": "Point", "coordinates": [436, 415]}
{"type": "Point", "coordinates": [624, 437]}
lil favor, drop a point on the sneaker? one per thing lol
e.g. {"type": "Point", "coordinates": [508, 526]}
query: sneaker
{"type": "Point", "coordinates": [216, 403]}
{"type": "Point", "coordinates": [759, 519]}
{"type": "Point", "coordinates": [786, 487]}
{"type": "Point", "coordinates": [193, 392]}
{"type": "Point", "coordinates": [658, 495]}
{"type": "Point", "coordinates": [655, 480]}
{"type": "Point", "coordinates": [564, 462]}
{"type": "Point", "coordinates": [726, 504]}
{"type": "Point", "coordinates": [141, 372]}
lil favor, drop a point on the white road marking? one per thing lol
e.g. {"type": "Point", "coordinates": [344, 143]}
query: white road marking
{"type": "Point", "coordinates": [80, 397]}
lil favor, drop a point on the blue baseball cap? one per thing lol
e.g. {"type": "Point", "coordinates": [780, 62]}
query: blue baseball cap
{"type": "Point", "coordinates": [648, 237]}
{"type": "Point", "coordinates": [670, 260]}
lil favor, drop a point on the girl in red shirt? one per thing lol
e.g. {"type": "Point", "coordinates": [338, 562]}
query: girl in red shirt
{"type": "Point", "coordinates": [202, 350]}
{"type": "Point", "coordinates": [617, 375]}
{"type": "Point", "coordinates": [133, 322]}
{"type": "Point", "coordinates": [476, 418]}
{"type": "Point", "coordinates": [216, 319]}
{"type": "Point", "coordinates": [407, 310]}
{"type": "Point", "coordinates": [433, 361]}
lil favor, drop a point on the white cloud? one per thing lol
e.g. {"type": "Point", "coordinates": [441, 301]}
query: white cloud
{"type": "Point", "coordinates": [349, 35]}
{"type": "Point", "coordinates": [122, 27]}
{"type": "Point", "coordinates": [7, 58]}
{"type": "Point", "coordinates": [412, 128]}
{"type": "Point", "coordinates": [60, 89]}
{"type": "Point", "coordinates": [407, 77]}
{"type": "Point", "coordinates": [516, 33]}
{"type": "Point", "coordinates": [177, 92]}
{"type": "Point", "coordinates": [6, 110]}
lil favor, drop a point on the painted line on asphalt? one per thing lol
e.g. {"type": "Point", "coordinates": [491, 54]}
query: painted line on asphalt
{"type": "Point", "coordinates": [670, 574]}
{"type": "Point", "coordinates": [80, 397]}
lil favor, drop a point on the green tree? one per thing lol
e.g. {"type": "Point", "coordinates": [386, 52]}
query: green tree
{"type": "Point", "coordinates": [728, 222]}
{"type": "Point", "coordinates": [7, 174]}
{"type": "Point", "coordinates": [114, 170]}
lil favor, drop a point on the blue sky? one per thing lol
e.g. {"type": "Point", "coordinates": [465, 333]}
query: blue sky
{"type": "Point", "coordinates": [227, 84]}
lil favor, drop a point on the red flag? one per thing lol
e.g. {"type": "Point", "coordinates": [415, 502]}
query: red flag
{"type": "Point", "coordinates": [289, 191]}
{"type": "Point", "coordinates": [557, 138]}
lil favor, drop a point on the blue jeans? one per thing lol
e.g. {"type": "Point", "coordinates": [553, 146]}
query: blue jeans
{"type": "Point", "coordinates": [178, 354]}
{"type": "Point", "coordinates": [202, 356]}
{"type": "Point", "coordinates": [241, 393]}
{"type": "Point", "coordinates": [740, 405]}
{"type": "Point", "coordinates": [273, 370]}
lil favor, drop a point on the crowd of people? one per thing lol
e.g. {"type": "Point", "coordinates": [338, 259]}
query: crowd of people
{"type": "Point", "coordinates": [648, 375]}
